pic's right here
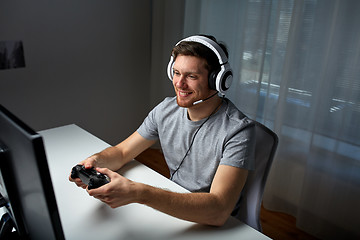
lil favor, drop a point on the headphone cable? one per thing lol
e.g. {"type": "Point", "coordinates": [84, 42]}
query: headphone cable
{"type": "Point", "coordinates": [193, 138]}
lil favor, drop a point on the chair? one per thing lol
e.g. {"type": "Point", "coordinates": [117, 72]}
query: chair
{"type": "Point", "coordinates": [249, 205]}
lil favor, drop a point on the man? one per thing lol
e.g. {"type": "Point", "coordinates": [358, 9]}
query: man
{"type": "Point", "coordinates": [207, 142]}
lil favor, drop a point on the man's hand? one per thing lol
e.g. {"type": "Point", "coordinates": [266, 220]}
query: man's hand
{"type": "Point", "coordinates": [88, 163]}
{"type": "Point", "coordinates": [118, 192]}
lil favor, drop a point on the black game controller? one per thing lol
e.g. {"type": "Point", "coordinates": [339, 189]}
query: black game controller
{"type": "Point", "coordinates": [90, 176]}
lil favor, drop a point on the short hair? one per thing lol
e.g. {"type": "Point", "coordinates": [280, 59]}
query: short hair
{"type": "Point", "coordinates": [189, 48]}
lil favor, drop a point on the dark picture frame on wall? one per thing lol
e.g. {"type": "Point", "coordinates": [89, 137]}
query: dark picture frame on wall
{"type": "Point", "coordinates": [11, 55]}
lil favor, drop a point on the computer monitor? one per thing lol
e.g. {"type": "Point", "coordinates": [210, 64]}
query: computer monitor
{"type": "Point", "coordinates": [26, 188]}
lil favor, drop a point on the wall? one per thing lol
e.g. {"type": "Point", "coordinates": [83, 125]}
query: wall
{"type": "Point", "coordinates": [167, 30]}
{"type": "Point", "coordinates": [87, 62]}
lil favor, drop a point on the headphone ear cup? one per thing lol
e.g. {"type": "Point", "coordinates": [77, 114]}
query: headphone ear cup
{"type": "Point", "coordinates": [170, 68]}
{"type": "Point", "coordinates": [225, 82]}
{"type": "Point", "coordinates": [212, 79]}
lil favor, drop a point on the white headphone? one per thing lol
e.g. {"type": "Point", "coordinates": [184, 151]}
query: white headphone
{"type": "Point", "coordinates": [219, 79]}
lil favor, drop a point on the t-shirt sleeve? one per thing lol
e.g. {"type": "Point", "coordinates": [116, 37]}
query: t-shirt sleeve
{"type": "Point", "coordinates": [149, 128]}
{"type": "Point", "coordinates": [239, 150]}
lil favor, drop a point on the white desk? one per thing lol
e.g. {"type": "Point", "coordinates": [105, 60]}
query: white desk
{"type": "Point", "coordinates": [84, 217]}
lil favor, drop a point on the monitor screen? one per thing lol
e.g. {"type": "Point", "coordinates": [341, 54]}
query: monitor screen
{"type": "Point", "coordinates": [25, 184]}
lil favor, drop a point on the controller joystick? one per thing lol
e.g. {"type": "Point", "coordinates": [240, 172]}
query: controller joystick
{"type": "Point", "coordinates": [90, 176]}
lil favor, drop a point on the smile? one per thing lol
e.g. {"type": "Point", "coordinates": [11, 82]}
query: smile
{"type": "Point", "coordinates": [184, 94]}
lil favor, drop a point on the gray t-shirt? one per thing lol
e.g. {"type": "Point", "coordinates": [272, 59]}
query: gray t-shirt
{"type": "Point", "coordinates": [227, 138]}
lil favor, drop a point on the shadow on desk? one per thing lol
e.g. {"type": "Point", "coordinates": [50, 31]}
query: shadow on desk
{"type": "Point", "coordinates": [200, 228]}
{"type": "Point", "coordinates": [233, 229]}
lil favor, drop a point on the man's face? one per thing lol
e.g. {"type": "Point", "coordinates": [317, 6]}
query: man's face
{"type": "Point", "coordinates": [190, 80]}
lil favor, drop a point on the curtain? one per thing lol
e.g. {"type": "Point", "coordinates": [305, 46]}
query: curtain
{"type": "Point", "coordinates": [297, 70]}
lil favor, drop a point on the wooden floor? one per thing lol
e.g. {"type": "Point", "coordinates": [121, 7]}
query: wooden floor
{"type": "Point", "coordinates": [281, 226]}
{"type": "Point", "coordinates": [275, 225]}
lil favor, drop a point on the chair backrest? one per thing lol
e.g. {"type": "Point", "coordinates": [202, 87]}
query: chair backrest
{"type": "Point", "coordinates": [249, 205]}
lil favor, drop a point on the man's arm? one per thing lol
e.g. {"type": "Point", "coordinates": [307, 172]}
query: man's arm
{"type": "Point", "coordinates": [211, 208]}
{"type": "Point", "coordinates": [117, 156]}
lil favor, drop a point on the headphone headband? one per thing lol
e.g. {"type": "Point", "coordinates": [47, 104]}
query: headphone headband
{"type": "Point", "coordinates": [219, 52]}
{"type": "Point", "coordinates": [220, 80]}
